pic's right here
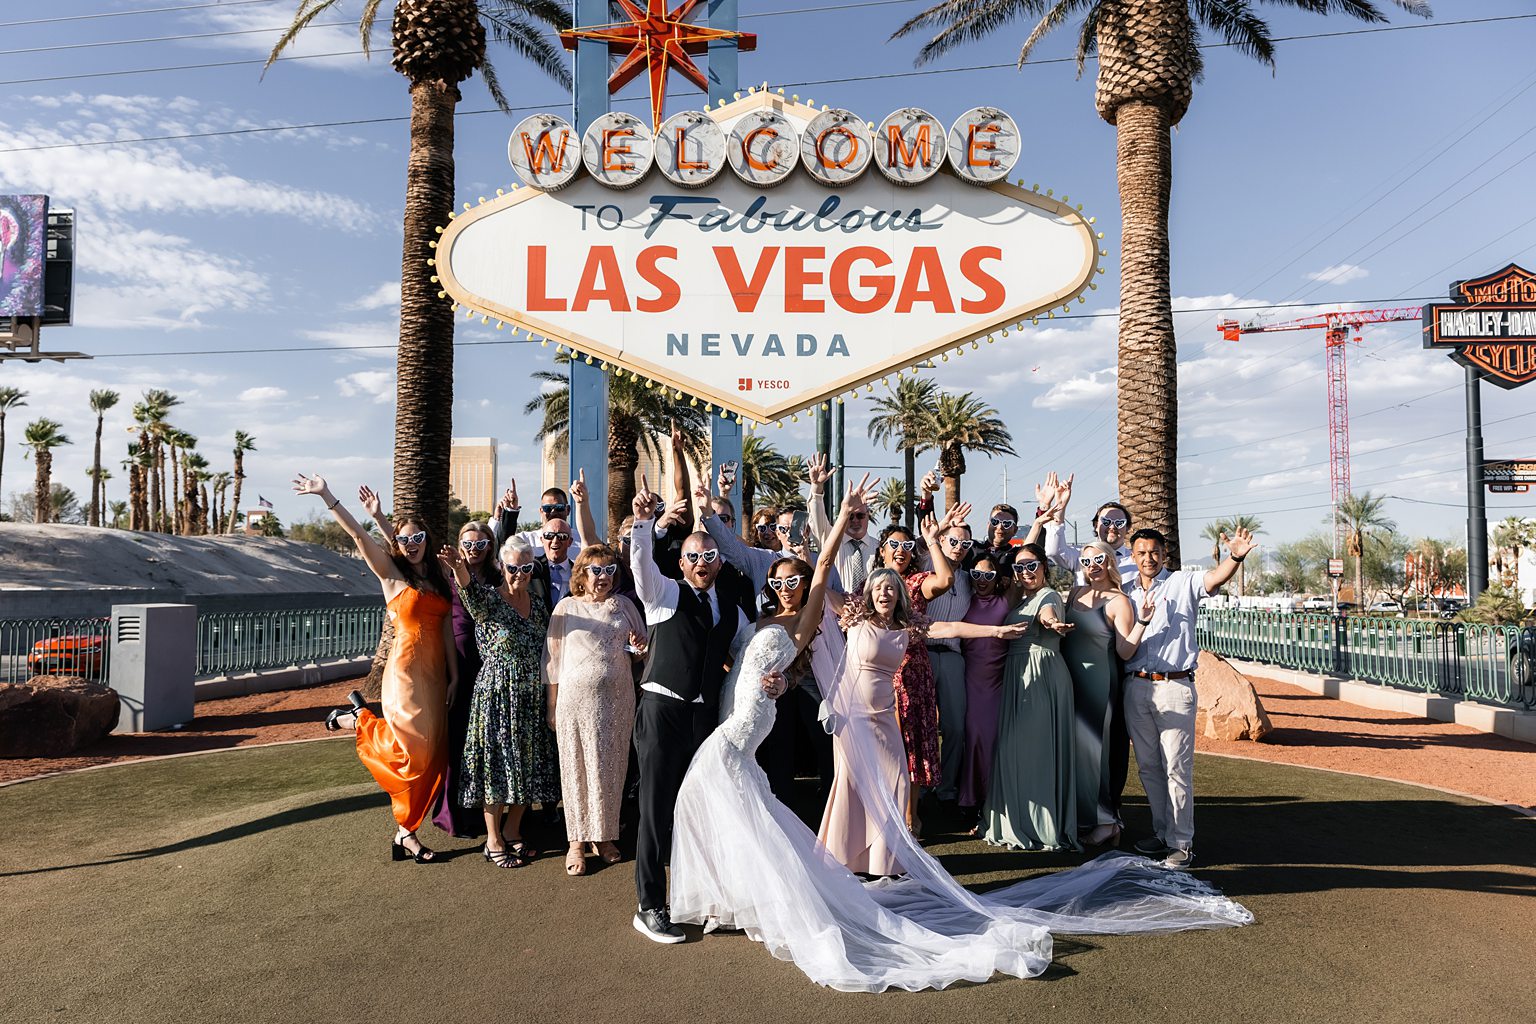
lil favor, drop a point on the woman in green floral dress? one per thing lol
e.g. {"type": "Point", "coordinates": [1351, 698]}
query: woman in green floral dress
{"type": "Point", "coordinates": [509, 752]}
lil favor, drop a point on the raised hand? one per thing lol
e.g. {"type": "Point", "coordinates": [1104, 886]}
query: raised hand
{"type": "Point", "coordinates": [310, 485]}
{"type": "Point", "coordinates": [679, 441]}
{"type": "Point", "coordinates": [673, 514]}
{"type": "Point", "coordinates": [371, 501]}
{"type": "Point", "coordinates": [930, 482]}
{"type": "Point", "coordinates": [701, 500]}
{"type": "Point", "coordinates": [508, 498]}
{"type": "Point", "coordinates": [956, 516]}
{"type": "Point", "coordinates": [579, 487]}
{"type": "Point", "coordinates": [1064, 492]}
{"type": "Point", "coordinates": [450, 557]}
{"type": "Point", "coordinates": [644, 504]}
{"type": "Point", "coordinates": [1240, 543]}
{"type": "Point", "coordinates": [819, 471]}
{"type": "Point", "coordinates": [929, 528]}
{"type": "Point", "coordinates": [857, 498]}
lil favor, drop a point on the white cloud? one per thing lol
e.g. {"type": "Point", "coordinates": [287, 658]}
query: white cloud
{"type": "Point", "coordinates": [1339, 273]}
{"type": "Point", "coordinates": [378, 340]}
{"type": "Point", "coordinates": [376, 384]}
{"type": "Point", "coordinates": [385, 296]}
{"type": "Point", "coordinates": [332, 32]}
{"type": "Point", "coordinates": [262, 394]}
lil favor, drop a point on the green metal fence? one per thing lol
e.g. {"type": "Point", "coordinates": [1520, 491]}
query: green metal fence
{"type": "Point", "coordinates": [249, 641]}
{"type": "Point", "coordinates": [1492, 664]}
{"type": "Point", "coordinates": [63, 647]}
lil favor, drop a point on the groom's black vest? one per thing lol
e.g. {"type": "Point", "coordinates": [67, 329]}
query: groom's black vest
{"type": "Point", "coordinates": [687, 655]}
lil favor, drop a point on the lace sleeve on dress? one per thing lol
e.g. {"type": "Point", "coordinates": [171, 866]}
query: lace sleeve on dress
{"type": "Point", "coordinates": [550, 664]}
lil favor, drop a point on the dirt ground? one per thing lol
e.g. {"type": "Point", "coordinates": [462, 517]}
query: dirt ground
{"type": "Point", "coordinates": [1309, 731]}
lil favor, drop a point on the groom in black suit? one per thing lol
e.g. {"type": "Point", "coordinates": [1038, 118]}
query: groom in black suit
{"type": "Point", "coordinates": [691, 633]}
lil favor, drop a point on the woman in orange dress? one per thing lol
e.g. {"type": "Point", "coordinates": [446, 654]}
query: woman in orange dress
{"type": "Point", "coordinates": [404, 750]}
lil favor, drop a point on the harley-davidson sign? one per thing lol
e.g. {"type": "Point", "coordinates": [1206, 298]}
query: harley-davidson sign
{"type": "Point", "coordinates": [1492, 326]}
{"type": "Point", "coordinates": [767, 255]}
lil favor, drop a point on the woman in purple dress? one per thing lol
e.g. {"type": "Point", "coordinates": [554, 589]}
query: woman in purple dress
{"type": "Point", "coordinates": [984, 659]}
{"type": "Point", "coordinates": [476, 541]}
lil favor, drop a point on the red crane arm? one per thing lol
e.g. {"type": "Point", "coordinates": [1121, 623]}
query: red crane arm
{"type": "Point", "coordinates": [1232, 329]}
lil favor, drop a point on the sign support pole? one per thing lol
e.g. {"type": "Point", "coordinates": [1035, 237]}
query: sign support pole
{"type": "Point", "coordinates": [839, 455]}
{"type": "Point", "coordinates": [824, 446]}
{"type": "Point", "coordinates": [588, 414]}
{"type": "Point", "coordinates": [721, 61]}
{"type": "Point", "coordinates": [1477, 512]}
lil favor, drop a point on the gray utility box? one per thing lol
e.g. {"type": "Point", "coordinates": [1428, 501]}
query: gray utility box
{"type": "Point", "coordinates": [153, 662]}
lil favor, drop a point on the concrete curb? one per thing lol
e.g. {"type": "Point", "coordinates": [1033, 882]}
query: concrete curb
{"type": "Point", "coordinates": [1506, 722]}
{"type": "Point", "coordinates": [295, 677]}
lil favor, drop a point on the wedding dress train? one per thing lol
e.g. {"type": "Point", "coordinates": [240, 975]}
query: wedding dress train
{"type": "Point", "coordinates": [741, 859]}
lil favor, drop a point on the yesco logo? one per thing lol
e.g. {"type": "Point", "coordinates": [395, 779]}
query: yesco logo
{"type": "Point", "coordinates": [763, 147]}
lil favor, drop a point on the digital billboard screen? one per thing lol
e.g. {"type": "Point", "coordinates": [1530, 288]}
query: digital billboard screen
{"type": "Point", "coordinates": [23, 247]}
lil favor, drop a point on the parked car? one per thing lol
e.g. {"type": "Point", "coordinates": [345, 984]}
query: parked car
{"type": "Point", "coordinates": [1381, 607]}
{"type": "Point", "coordinates": [1316, 604]}
{"type": "Point", "coordinates": [68, 655]}
{"type": "Point", "coordinates": [1450, 607]}
{"type": "Point", "coordinates": [1522, 657]}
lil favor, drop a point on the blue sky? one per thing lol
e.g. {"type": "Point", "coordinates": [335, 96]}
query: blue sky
{"type": "Point", "coordinates": [1372, 168]}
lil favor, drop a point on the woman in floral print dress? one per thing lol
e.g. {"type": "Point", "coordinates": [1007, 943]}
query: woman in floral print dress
{"type": "Point", "coordinates": [509, 752]}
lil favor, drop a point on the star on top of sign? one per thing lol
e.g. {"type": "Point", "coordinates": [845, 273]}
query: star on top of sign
{"type": "Point", "coordinates": [657, 40]}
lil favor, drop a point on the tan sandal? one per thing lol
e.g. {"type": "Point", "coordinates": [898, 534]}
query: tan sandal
{"type": "Point", "coordinates": [608, 850]}
{"type": "Point", "coordinates": [575, 862]}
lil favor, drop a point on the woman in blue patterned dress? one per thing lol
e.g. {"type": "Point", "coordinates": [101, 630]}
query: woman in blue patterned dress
{"type": "Point", "coordinates": [509, 752]}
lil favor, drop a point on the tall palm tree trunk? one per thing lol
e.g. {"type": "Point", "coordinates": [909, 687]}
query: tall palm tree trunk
{"type": "Point", "coordinates": [1148, 409]}
{"type": "Point", "coordinates": [623, 460]}
{"type": "Point", "coordinates": [744, 518]}
{"type": "Point", "coordinates": [2, 452]}
{"type": "Point", "coordinates": [234, 505]}
{"type": "Point", "coordinates": [156, 485]}
{"type": "Point", "coordinates": [97, 495]}
{"type": "Point", "coordinates": [424, 372]}
{"type": "Point", "coordinates": [909, 467]}
{"type": "Point", "coordinates": [42, 486]}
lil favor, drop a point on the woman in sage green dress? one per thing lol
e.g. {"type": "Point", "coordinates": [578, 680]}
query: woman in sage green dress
{"type": "Point", "coordinates": [1105, 633]}
{"type": "Point", "coordinates": [1031, 801]}
{"type": "Point", "coordinates": [509, 756]}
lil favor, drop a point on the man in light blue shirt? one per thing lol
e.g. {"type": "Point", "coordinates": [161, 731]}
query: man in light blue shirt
{"type": "Point", "coordinates": [1160, 697]}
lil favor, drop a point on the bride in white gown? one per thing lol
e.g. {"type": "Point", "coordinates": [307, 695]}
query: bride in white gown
{"type": "Point", "coordinates": [743, 860]}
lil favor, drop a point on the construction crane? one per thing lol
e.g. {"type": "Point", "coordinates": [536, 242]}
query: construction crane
{"type": "Point", "coordinates": [1338, 327]}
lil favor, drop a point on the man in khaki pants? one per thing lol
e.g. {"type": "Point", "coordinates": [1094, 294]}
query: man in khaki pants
{"type": "Point", "coordinates": [1160, 687]}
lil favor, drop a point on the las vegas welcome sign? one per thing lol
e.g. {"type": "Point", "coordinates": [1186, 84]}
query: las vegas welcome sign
{"type": "Point", "coordinates": [767, 256]}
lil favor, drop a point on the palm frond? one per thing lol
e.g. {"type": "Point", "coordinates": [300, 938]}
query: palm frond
{"type": "Point", "coordinates": [529, 42]}
{"type": "Point", "coordinates": [1053, 19]}
{"type": "Point", "coordinates": [307, 12]}
{"type": "Point", "coordinates": [966, 21]}
{"type": "Point", "coordinates": [365, 24]}
{"type": "Point", "coordinates": [1237, 23]}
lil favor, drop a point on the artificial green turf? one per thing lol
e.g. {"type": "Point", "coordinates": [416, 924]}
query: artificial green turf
{"type": "Point", "coordinates": [255, 885]}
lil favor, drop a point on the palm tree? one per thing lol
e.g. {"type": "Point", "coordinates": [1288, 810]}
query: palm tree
{"type": "Point", "coordinates": [195, 468]}
{"type": "Point", "coordinates": [10, 398]}
{"type": "Point", "coordinates": [784, 492]}
{"type": "Point", "coordinates": [99, 478]}
{"type": "Point", "coordinates": [901, 422]}
{"type": "Point", "coordinates": [763, 467]}
{"type": "Point", "coordinates": [1149, 60]}
{"type": "Point", "coordinates": [1363, 516]}
{"type": "Point", "coordinates": [638, 414]}
{"type": "Point", "coordinates": [150, 414]}
{"type": "Point", "coordinates": [1511, 533]}
{"type": "Point", "coordinates": [243, 443]}
{"type": "Point", "coordinates": [134, 465]}
{"type": "Point", "coordinates": [220, 482]}
{"type": "Point", "coordinates": [101, 401]}
{"type": "Point", "coordinates": [119, 510]}
{"type": "Point", "coordinates": [962, 423]}
{"type": "Point", "coordinates": [179, 442]}
{"type": "Point", "coordinates": [891, 498]}
{"type": "Point", "coordinates": [436, 44]}
{"type": "Point", "coordinates": [1213, 532]}
{"type": "Point", "coordinates": [42, 436]}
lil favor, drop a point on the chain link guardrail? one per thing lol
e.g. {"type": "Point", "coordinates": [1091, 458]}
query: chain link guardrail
{"type": "Point", "coordinates": [1490, 664]}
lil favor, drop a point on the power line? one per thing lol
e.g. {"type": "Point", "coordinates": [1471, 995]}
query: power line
{"type": "Point", "coordinates": [126, 14]}
{"type": "Point", "coordinates": [826, 81]}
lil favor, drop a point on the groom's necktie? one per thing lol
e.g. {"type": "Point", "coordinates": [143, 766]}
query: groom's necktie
{"type": "Point", "coordinates": [856, 567]}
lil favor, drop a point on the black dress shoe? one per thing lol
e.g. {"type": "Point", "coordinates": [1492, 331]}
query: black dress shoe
{"type": "Point", "coordinates": [1153, 846]}
{"type": "Point", "coordinates": [657, 926]}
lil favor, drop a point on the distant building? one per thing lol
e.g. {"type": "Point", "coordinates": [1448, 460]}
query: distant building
{"type": "Point", "coordinates": [472, 472]}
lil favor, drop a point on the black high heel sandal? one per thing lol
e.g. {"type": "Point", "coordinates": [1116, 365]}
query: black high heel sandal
{"type": "Point", "coordinates": [421, 855]}
{"type": "Point", "coordinates": [355, 702]}
{"type": "Point", "coordinates": [503, 858]}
